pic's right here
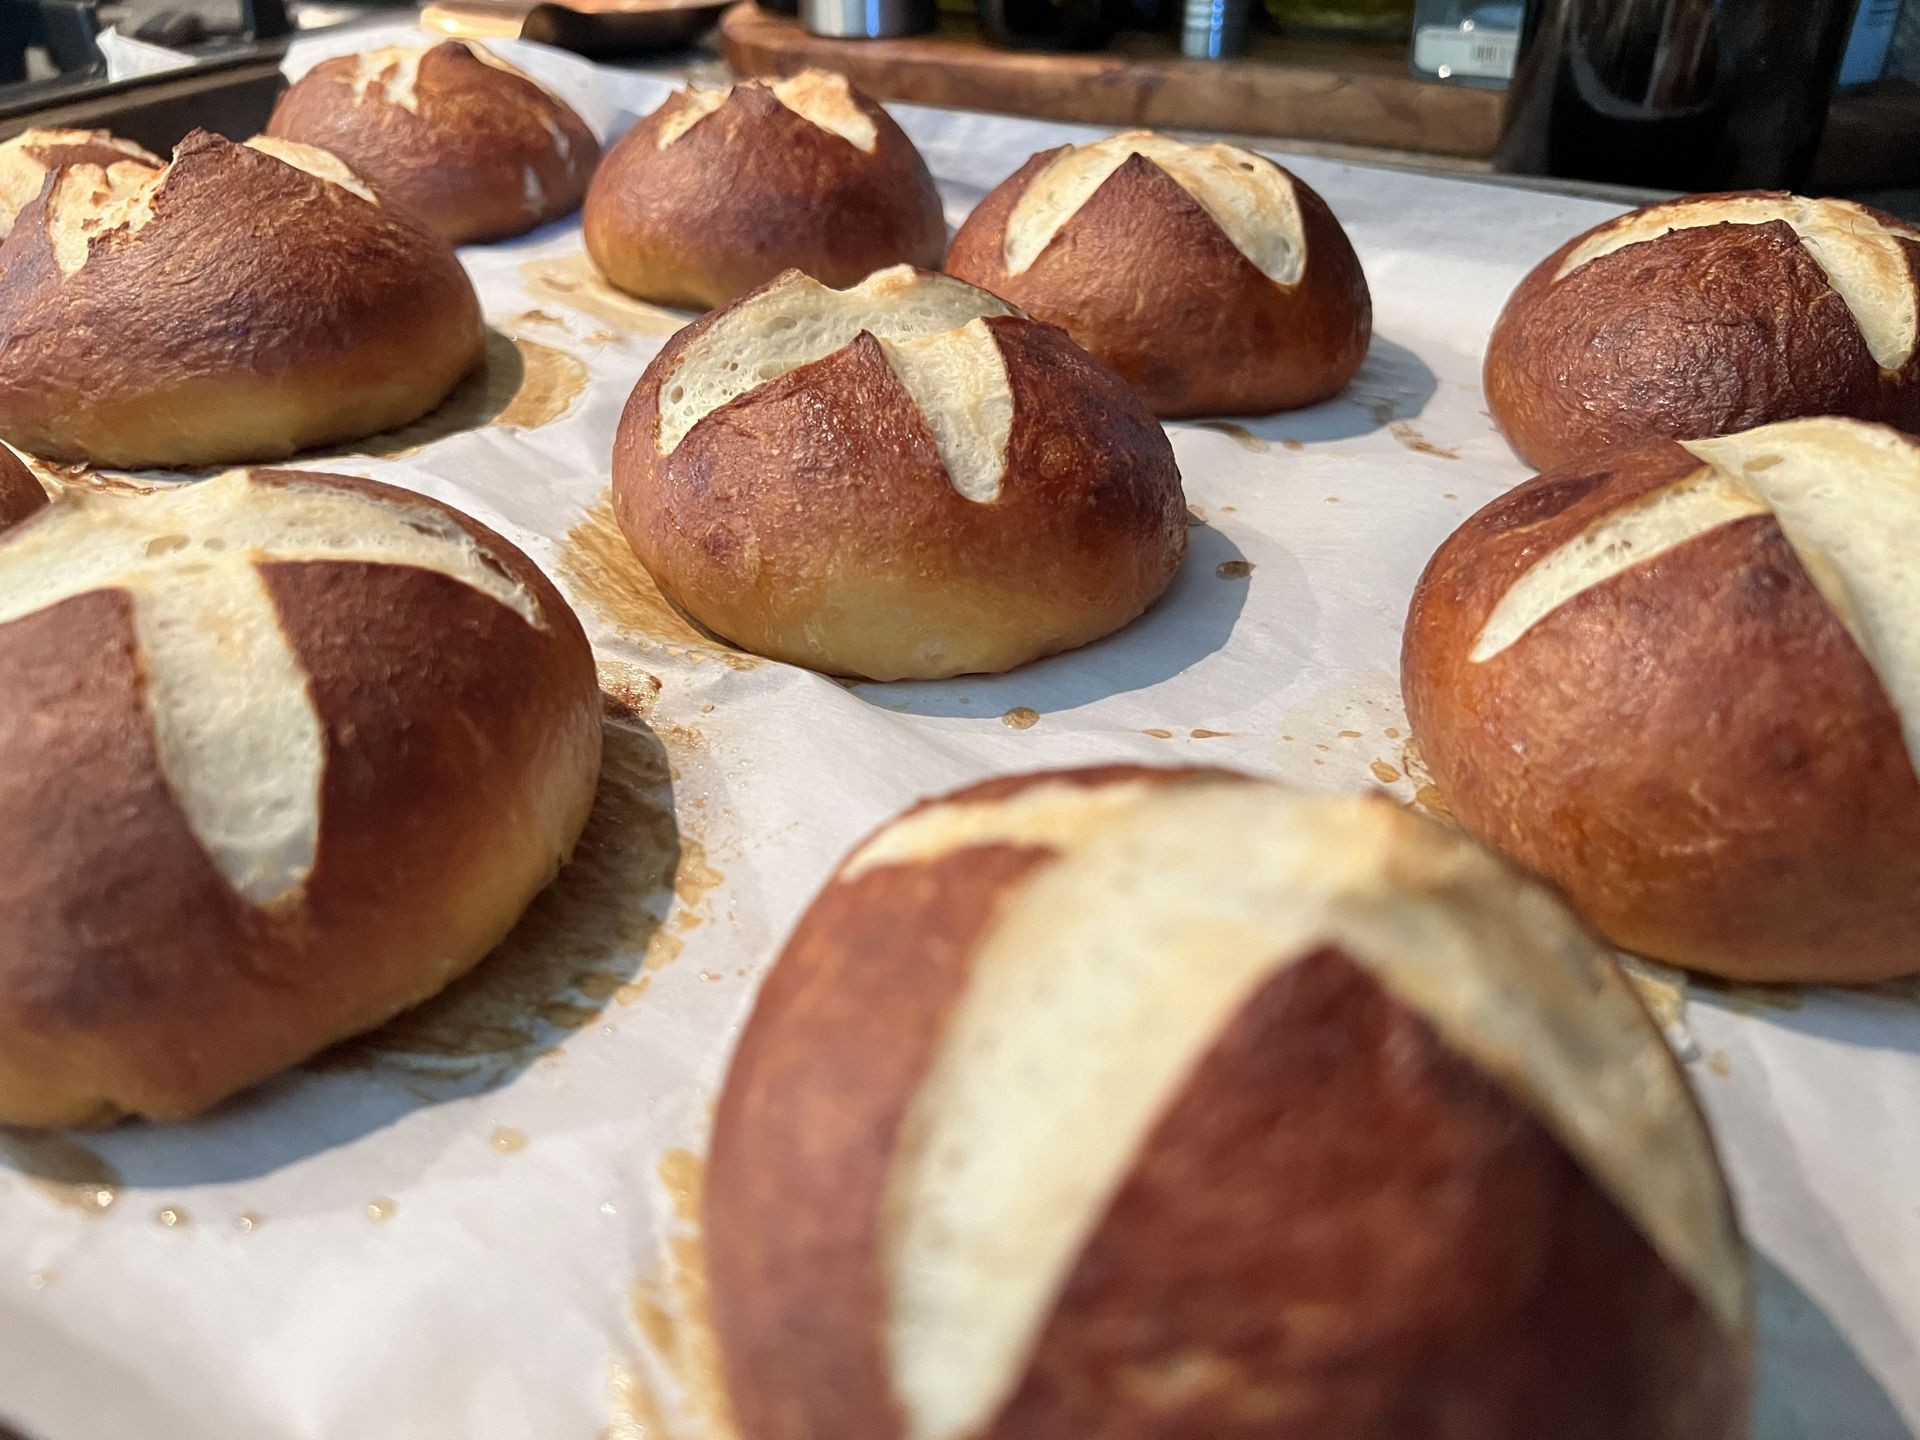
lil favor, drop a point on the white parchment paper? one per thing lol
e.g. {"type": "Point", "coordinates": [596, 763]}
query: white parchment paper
{"type": "Point", "coordinates": [476, 1226]}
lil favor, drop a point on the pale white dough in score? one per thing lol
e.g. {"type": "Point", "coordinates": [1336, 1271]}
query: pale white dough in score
{"type": "Point", "coordinates": [929, 330]}
{"type": "Point", "coordinates": [1861, 257]}
{"type": "Point", "coordinates": [820, 98]}
{"type": "Point", "coordinates": [1082, 1018]}
{"type": "Point", "coordinates": [22, 175]}
{"type": "Point", "coordinates": [1845, 494]}
{"type": "Point", "coordinates": [233, 717]}
{"type": "Point", "coordinates": [1249, 198]}
{"type": "Point", "coordinates": [89, 202]}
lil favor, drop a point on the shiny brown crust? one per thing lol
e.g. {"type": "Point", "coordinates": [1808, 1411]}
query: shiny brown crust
{"type": "Point", "coordinates": [660, 225]}
{"type": "Point", "coordinates": [462, 746]}
{"type": "Point", "coordinates": [1427, 1228]}
{"type": "Point", "coordinates": [20, 493]}
{"type": "Point", "coordinates": [1145, 280]}
{"type": "Point", "coordinates": [1694, 750]}
{"type": "Point", "coordinates": [812, 519]}
{"type": "Point", "coordinates": [307, 316]}
{"type": "Point", "coordinates": [459, 162]}
{"type": "Point", "coordinates": [1700, 332]}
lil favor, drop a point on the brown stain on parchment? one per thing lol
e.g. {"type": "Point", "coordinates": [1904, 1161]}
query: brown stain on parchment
{"type": "Point", "coordinates": [1661, 988]}
{"type": "Point", "coordinates": [545, 320]}
{"type": "Point", "coordinates": [1408, 434]}
{"type": "Point", "coordinates": [573, 281]}
{"type": "Point", "coordinates": [63, 1170]}
{"type": "Point", "coordinates": [1239, 434]}
{"type": "Point", "coordinates": [582, 938]}
{"type": "Point", "coordinates": [1233, 569]}
{"type": "Point", "coordinates": [599, 565]}
{"type": "Point", "coordinates": [521, 383]}
{"type": "Point", "coordinates": [673, 1316]}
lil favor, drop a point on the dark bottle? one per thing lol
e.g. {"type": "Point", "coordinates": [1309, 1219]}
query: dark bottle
{"type": "Point", "coordinates": [1673, 94]}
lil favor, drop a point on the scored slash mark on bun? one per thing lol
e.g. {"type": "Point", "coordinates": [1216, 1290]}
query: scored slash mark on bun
{"type": "Point", "coordinates": [1214, 281]}
{"type": "Point", "coordinates": [1682, 680]}
{"type": "Point", "coordinates": [29, 157]}
{"type": "Point", "coordinates": [476, 148]}
{"type": "Point", "coordinates": [1168, 1103]}
{"type": "Point", "coordinates": [1707, 315]}
{"type": "Point", "coordinates": [905, 479]}
{"type": "Point", "coordinates": [818, 179]}
{"type": "Point", "coordinates": [281, 754]}
{"type": "Point", "coordinates": [310, 314]}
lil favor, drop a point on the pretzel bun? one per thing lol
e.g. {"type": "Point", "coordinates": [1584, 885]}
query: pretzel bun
{"type": "Point", "coordinates": [20, 493]}
{"type": "Point", "coordinates": [1164, 1104]}
{"type": "Point", "coordinates": [29, 157]}
{"type": "Point", "coordinates": [242, 303]}
{"type": "Point", "coordinates": [1214, 281]}
{"type": "Point", "coordinates": [1682, 681]}
{"type": "Point", "coordinates": [907, 479]}
{"type": "Point", "coordinates": [1707, 315]}
{"type": "Point", "coordinates": [472, 146]}
{"type": "Point", "coordinates": [818, 178]}
{"type": "Point", "coordinates": [281, 754]}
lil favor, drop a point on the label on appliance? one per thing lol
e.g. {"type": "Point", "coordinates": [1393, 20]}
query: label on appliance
{"type": "Point", "coordinates": [1447, 51]}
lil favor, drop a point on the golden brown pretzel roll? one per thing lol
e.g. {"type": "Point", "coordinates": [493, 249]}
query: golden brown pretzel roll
{"type": "Point", "coordinates": [243, 303]}
{"type": "Point", "coordinates": [1707, 315]}
{"type": "Point", "coordinates": [20, 493]}
{"type": "Point", "coordinates": [29, 157]}
{"type": "Point", "coordinates": [903, 480]}
{"type": "Point", "coordinates": [1214, 281]}
{"type": "Point", "coordinates": [1682, 680]}
{"type": "Point", "coordinates": [281, 754]}
{"type": "Point", "coordinates": [473, 146]}
{"type": "Point", "coordinates": [1165, 1104]}
{"type": "Point", "coordinates": [719, 191]}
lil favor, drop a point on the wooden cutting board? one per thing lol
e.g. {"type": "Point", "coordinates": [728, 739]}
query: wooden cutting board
{"type": "Point", "coordinates": [1353, 94]}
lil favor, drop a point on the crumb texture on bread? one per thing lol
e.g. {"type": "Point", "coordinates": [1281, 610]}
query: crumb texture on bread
{"type": "Point", "coordinates": [821, 98]}
{"type": "Point", "coordinates": [237, 734]}
{"type": "Point", "coordinates": [1250, 198]}
{"type": "Point", "coordinates": [1844, 493]}
{"type": "Point", "coordinates": [1858, 250]}
{"type": "Point", "coordinates": [928, 327]}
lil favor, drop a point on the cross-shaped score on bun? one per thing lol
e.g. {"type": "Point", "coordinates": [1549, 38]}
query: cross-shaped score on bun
{"type": "Point", "coordinates": [238, 304]}
{"type": "Point", "coordinates": [905, 478]}
{"type": "Point", "coordinates": [1682, 680]}
{"type": "Point", "coordinates": [1212, 280]}
{"type": "Point", "coordinates": [237, 735]}
{"type": "Point", "coordinates": [1119, 1101]}
{"type": "Point", "coordinates": [1845, 495]}
{"type": "Point", "coordinates": [929, 331]}
{"type": "Point", "coordinates": [1857, 249]}
{"type": "Point", "coordinates": [1249, 197]}
{"type": "Point", "coordinates": [819, 97]}
{"type": "Point", "coordinates": [1708, 315]}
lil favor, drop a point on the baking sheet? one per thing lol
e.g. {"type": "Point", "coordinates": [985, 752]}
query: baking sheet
{"type": "Point", "coordinates": [477, 1224]}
